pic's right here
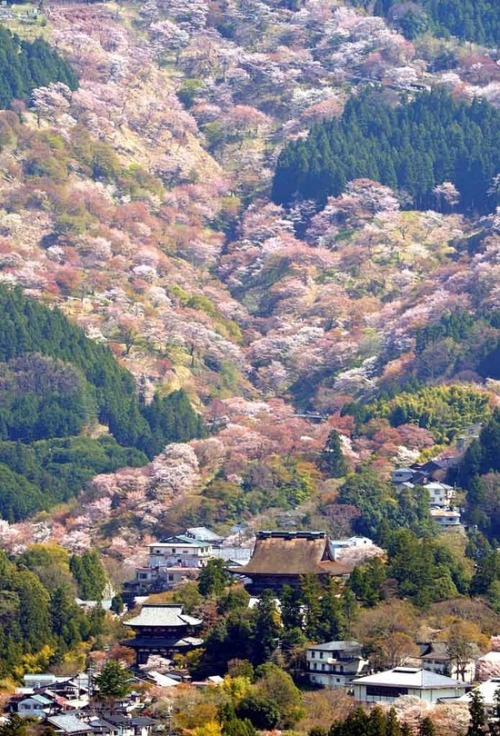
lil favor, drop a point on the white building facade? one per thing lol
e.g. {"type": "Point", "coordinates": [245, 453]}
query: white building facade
{"type": "Point", "coordinates": [335, 664]}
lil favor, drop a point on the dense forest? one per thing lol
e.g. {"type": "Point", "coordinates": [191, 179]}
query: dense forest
{"type": "Point", "coordinates": [472, 20]}
{"type": "Point", "coordinates": [39, 620]}
{"type": "Point", "coordinates": [412, 147]}
{"type": "Point", "coordinates": [56, 383]}
{"type": "Point", "coordinates": [25, 65]}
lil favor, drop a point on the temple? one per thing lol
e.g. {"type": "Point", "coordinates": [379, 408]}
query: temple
{"type": "Point", "coordinates": [162, 629]}
{"type": "Point", "coordinates": [281, 558]}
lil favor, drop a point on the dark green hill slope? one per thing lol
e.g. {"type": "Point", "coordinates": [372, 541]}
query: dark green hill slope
{"type": "Point", "coordinates": [25, 65]}
{"type": "Point", "coordinates": [411, 147]}
{"type": "Point", "coordinates": [54, 383]}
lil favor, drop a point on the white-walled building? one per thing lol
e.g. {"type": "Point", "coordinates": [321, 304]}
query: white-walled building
{"type": "Point", "coordinates": [180, 551]}
{"type": "Point", "coordinates": [338, 546]}
{"type": "Point", "coordinates": [440, 494]}
{"type": "Point", "coordinates": [335, 663]}
{"type": "Point", "coordinates": [385, 687]}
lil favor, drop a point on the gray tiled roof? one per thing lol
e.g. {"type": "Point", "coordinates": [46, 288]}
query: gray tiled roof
{"type": "Point", "coordinates": [165, 614]}
{"type": "Point", "coordinates": [69, 724]}
{"type": "Point", "coordinates": [335, 646]}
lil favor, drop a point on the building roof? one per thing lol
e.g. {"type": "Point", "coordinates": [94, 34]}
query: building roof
{"type": "Point", "coordinates": [292, 553]}
{"type": "Point", "coordinates": [487, 691]}
{"type": "Point", "coordinates": [162, 614]}
{"type": "Point", "coordinates": [202, 534]}
{"type": "Point", "coordinates": [162, 680]}
{"type": "Point", "coordinates": [337, 646]}
{"type": "Point", "coordinates": [492, 657]}
{"type": "Point", "coordinates": [181, 539]}
{"type": "Point", "coordinates": [69, 724]}
{"type": "Point", "coordinates": [238, 555]}
{"type": "Point", "coordinates": [410, 677]}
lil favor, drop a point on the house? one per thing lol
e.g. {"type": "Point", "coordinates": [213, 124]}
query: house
{"type": "Point", "coordinates": [487, 690]}
{"type": "Point", "coordinates": [180, 551]}
{"type": "Point", "coordinates": [281, 558]}
{"type": "Point", "coordinates": [338, 546]}
{"type": "Point", "coordinates": [173, 561]}
{"type": "Point", "coordinates": [385, 687]}
{"type": "Point", "coordinates": [101, 726]}
{"type": "Point", "coordinates": [69, 725]}
{"type": "Point", "coordinates": [129, 725]}
{"type": "Point", "coordinates": [440, 494]}
{"type": "Point", "coordinates": [202, 534]}
{"type": "Point", "coordinates": [35, 705]}
{"type": "Point", "coordinates": [402, 475]}
{"type": "Point", "coordinates": [435, 658]}
{"type": "Point", "coordinates": [335, 663]}
{"type": "Point", "coordinates": [162, 629]}
{"type": "Point", "coordinates": [447, 519]}
{"type": "Point", "coordinates": [234, 556]}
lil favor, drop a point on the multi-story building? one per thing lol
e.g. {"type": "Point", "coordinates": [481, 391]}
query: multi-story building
{"type": "Point", "coordinates": [335, 663]}
{"type": "Point", "coordinates": [162, 629]}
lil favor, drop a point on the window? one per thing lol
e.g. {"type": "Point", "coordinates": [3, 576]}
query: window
{"type": "Point", "coordinates": [321, 655]}
{"type": "Point", "coordinates": [323, 667]}
{"type": "Point", "coordinates": [313, 655]}
{"type": "Point", "coordinates": [382, 691]}
{"type": "Point", "coordinates": [173, 550]}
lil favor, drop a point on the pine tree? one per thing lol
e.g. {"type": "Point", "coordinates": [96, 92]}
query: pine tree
{"type": "Point", "coordinates": [332, 461]}
{"type": "Point", "coordinates": [478, 725]}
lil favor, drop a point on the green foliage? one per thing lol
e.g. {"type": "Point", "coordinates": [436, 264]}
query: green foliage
{"type": "Point", "coordinates": [113, 681]}
{"type": "Point", "coordinates": [376, 722]}
{"type": "Point", "coordinates": [366, 581]}
{"type": "Point", "coordinates": [384, 508]}
{"type": "Point", "coordinates": [425, 571]}
{"type": "Point", "coordinates": [37, 609]}
{"type": "Point", "coordinates": [458, 342]}
{"type": "Point", "coordinates": [276, 685]}
{"type": "Point", "coordinates": [413, 147]}
{"type": "Point", "coordinates": [473, 20]}
{"type": "Point", "coordinates": [262, 712]}
{"type": "Point", "coordinates": [25, 65]}
{"type": "Point", "coordinates": [15, 725]}
{"type": "Point", "coordinates": [478, 725]}
{"type": "Point", "coordinates": [56, 382]}
{"type": "Point", "coordinates": [117, 605]}
{"type": "Point", "coordinates": [213, 578]}
{"type": "Point", "coordinates": [445, 410]}
{"type": "Point", "coordinates": [332, 461]}
{"type": "Point", "coordinates": [89, 575]}
{"type": "Point", "coordinates": [48, 472]}
{"type": "Point", "coordinates": [171, 418]}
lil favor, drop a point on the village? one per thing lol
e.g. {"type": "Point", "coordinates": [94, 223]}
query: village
{"type": "Point", "coordinates": [118, 700]}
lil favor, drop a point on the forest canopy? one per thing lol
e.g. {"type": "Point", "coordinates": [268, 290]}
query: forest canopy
{"type": "Point", "coordinates": [25, 65]}
{"type": "Point", "coordinates": [473, 20]}
{"type": "Point", "coordinates": [55, 384]}
{"type": "Point", "coordinates": [412, 148]}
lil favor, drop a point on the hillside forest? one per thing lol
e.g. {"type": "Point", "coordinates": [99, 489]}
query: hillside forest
{"type": "Point", "coordinates": [249, 266]}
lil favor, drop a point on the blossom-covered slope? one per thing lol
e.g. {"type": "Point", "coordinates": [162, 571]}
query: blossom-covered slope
{"type": "Point", "coordinates": [139, 204]}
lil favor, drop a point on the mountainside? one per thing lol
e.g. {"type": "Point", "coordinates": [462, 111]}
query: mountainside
{"type": "Point", "coordinates": [138, 201]}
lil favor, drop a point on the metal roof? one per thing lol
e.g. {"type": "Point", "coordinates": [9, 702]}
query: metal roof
{"type": "Point", "coordinates": [410, 677]}
{"type": "Point", "coordinates": [69, 724]}
{"type": "Point", "coordinates": [336, 646]}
